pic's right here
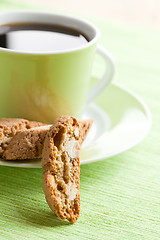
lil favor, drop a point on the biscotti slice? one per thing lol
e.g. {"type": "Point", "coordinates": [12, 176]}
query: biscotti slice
{"type": "Point", "coordinates": [61, 162]}
{"type": "Point", "coordinates": [85, 126]}
{"type": "Point", "coordinates": [28, 144]}
{"type": "Point", "coordinates": [10, 126]}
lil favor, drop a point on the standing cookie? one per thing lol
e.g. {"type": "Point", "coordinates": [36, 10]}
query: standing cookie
{"type": "Point", "coordinates": [61, 162]}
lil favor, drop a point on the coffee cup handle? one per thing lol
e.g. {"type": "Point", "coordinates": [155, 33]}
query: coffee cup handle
{"type": "Point", "coordinates": [107, 76]}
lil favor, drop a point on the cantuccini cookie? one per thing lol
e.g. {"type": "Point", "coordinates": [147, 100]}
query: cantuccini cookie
{"type": "Point", "coordinates": [28, 143]}
{"type": "Point", "coordinates": [85, 126]}
{"type": "Point", "coordinates": [61, 162]}
{"type": "Point", "coordinates": [10, 126]}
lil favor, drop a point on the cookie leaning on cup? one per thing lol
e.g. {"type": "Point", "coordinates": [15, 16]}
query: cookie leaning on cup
{"type": "Point", "coordinates": [61, 162]}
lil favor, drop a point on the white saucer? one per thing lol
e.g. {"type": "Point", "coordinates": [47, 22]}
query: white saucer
{"type": "Point", "coordinates": [121, 120]}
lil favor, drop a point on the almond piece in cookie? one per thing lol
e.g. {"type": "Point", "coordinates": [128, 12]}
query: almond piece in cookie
{"type": "Point", "coordinates": [28, 143]}
{"type": "Point", "coordinates": [61, 162]}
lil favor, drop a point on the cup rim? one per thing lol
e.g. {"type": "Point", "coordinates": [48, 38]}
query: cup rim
{"type": "Point", "coordinates": [70, 17]}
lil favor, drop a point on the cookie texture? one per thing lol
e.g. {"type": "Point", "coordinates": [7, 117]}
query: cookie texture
{"type": "Point", "coordinates": [85, 126]}
{"type": "Point", "coordinates": [61, 162]}
{"type": "Point", "coordinates": [9, 127]}
{"type": "Point", "coordinates": [33, 124]}
{"type": "Point", "coordinates": [28, 143]}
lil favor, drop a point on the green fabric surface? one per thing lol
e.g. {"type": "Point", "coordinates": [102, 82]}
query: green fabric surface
{"type": "Point", "coordinates": [120, 196]}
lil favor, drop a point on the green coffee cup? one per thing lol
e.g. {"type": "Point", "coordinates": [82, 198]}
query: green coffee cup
{"type": "Point", "coordinates": [44, 85]}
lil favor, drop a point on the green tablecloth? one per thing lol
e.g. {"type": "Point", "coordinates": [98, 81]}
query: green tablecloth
{"type": "Point", "coordinates": [120, 196]}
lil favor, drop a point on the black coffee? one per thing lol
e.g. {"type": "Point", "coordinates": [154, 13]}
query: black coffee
{"type": "Point", "coordinates": [34, 37]}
